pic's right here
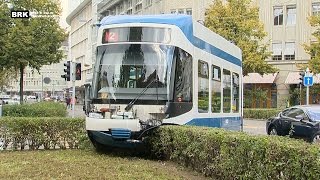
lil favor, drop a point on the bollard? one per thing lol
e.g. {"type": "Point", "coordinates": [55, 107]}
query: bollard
{"type": "Point", "coordinates": [0, 110]}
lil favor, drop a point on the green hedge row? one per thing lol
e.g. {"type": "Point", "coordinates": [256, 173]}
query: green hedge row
{"type": "Point", "coordinates": [221, 154]}
{"type": "Point", "coordinates": [42, 109]}
{"type": "Point", "coordinates": [45, 132]}
{"type": "Point", "coordinates": [260, 113]}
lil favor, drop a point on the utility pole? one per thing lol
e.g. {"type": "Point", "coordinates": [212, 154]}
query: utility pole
{"type": "Point", "coordinates": [307, 94]}
{"type": "Point", "coordinates": [42, 87]}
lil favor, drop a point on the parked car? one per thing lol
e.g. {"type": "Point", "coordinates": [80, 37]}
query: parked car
{"type": "Point", "coordinates": [298, 121]}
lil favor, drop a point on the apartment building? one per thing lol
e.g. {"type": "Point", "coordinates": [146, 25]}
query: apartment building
{"type": "Point", "coordinates": [84, 18]}
{"type": "Point", "coordinates": [288, 29]}
{"type": "Point", "coordinates": [285, 23]}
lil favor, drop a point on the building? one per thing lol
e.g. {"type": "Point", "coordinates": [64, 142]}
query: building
{"type": "Point", "coordinates": [47, 81]}
{"type": "Point", "coordinates": [288, 29]}
{"type": "Point", "coordinates": [285, 23]}
{"type": "Point", "coordinates": [84, 18]}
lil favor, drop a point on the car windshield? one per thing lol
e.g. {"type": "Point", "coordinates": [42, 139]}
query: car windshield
{"type": "Point", "coordinates": [314, 113]}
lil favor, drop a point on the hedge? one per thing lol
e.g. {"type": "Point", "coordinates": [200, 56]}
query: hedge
{"type": "Point", "coordinates": [221, 154]}
{"type": "Point", "coordinates": [260, 113]}
{"type": "Point", "coordinates": [45, 132]}
{"type": "Point", "coordinates": [42, 109]}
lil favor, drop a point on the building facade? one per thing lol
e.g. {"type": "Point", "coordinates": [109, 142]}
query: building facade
{"type": "Point", "coordinates": [288, 31]}
{"type": "Point", "coordinates": [285, 21]}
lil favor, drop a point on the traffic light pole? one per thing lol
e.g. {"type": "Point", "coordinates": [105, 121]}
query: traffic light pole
{"type": "Point", "coordinates": [73, 78]}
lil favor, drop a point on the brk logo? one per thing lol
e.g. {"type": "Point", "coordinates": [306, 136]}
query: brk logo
{"type": "Point", "coordinates": [20, 14]}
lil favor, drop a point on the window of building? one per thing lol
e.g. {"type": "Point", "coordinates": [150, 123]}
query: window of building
{"type": "Point", "coordinates": [173, 11]}
{"type": "Point", "coordinates": [139, 7]}
{"type": "Point", "coordinates": [203, 87]}
{"type": "Point", "coordinates": [148, 2]}
{"type": "Point", "coordinates": [276, 51]}
{"type": "Point", "coordinates": [189, 11]}
{"type": "Point", "coordinates": [289, 52]}
{"type": "Point", "coordinates": [277, 16]}
{"type": "Point", "coordinates": [216, 89]}
{"type": "Point", "coordinates": [129, 11]}
{"type": "Point", "coordinates": [129, 3]}
{"type": "Point", "coordinates": [121, 8]}
{"type": "Point", "coordinates": [291, 15]}
{"type": "Point", "coordinates": [226, 91]}
{"type": "Point", "coordinates": [180, 11]}
{"type": "Point", "coordinates": [316, 8]}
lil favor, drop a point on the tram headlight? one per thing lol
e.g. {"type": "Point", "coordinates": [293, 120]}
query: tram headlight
{"type": "Point", "coordinates": [95, 115]}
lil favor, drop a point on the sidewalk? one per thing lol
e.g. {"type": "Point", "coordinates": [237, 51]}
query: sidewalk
{"type": "Point", "coordinates": [78, 112]}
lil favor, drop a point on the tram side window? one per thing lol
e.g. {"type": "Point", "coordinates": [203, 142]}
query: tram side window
{"type": "Point", "coordinates": [216, 89]}
{"type": "Point", "coordinates": [236, 92]}
{"type": "Point", "coordinates": [183, 76]}
{"type": "Point", "coordinates": [226, 91]}
{"type": "Point", "coordinates": [203, 87]}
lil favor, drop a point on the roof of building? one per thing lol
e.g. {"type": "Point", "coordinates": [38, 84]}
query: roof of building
{"type": "Point", "coordinates": [77, 10]}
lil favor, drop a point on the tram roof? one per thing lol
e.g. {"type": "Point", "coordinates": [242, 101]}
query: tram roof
{"type": "Point", "coordinates": [179, 20]}
{"type": "Point", "coordinates": [184, 22]}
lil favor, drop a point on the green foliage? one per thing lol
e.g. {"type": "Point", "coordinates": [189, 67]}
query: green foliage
{"type": "Point", "coordinates": [6, 77]}
{"type": "Point", "coordinates": [260, 113]}
{"type": "Point", "coordinates": [42, 109]}
{"type": "Point", "coordinates": [314, 48]}
{"type": "Point", "coordinates": [46, 132]}
{"type": "Point", "coordinates": [238, 22]}
{"type": "Point", "coordinates": [31, 42]}
{"type": "Point", "coordinates": [222, 154]}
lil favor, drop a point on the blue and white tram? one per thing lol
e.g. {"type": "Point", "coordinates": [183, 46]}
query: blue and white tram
{"type": "Point", "coordinates": [161, 69]}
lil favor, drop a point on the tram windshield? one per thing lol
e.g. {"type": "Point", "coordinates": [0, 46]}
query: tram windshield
{"type": "Point", "coordinates": [124, 70]}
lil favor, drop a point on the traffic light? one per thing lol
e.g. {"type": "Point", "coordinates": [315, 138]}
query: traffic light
{"type": "Point", "coordinates": [78, 71]}
{"type": "Point", "coordinates": [67, 71]}
{"type": "Point", "coordinates": [302, 74]}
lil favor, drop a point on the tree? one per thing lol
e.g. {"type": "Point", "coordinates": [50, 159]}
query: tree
{"type": "Point", "coordinates": [238, 22]}
{"type": "Point", "coordinates": [5, 78]}
{"type": "Point", "coordinates": [33, 42]}
{"type": "Point", "coordinates": [314, 48]}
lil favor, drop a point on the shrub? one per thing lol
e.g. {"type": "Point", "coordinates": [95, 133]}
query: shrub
{"type": "Point", "coordinates": [45, 132]}
{"type": "Point", "coordinates": [222, 154]}
{"type": "Point", "coordinates": [42, 109]}
{"type": "Point", "coordinates": [260, 113]}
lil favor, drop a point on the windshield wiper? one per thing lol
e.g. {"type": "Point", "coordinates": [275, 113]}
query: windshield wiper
{"type": "Point", "coordinates": [129, 106]}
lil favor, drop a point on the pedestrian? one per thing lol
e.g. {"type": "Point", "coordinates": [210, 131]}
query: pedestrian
{"type": "Point", "coordinates": [68, 102]}
{"type": "Point", "coordinates": [72, 102]}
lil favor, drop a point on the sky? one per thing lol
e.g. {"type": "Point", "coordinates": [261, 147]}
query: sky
{"type": "Point", "coordinates": [65, 11]}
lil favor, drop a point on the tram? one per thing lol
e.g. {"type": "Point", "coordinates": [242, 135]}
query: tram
{"type": "Point", "coordinates": [153, 70]}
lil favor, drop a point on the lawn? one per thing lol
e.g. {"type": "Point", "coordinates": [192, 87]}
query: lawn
{"type": "Point", "coordinates": [85, 164]}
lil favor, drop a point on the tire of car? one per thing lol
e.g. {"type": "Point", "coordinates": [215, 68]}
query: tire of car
{"type": "Point", "coordinates": [316, 138]}
{"type": "Point", "coordinates": [272, 131]}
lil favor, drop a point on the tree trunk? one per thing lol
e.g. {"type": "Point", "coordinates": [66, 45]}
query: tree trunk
{"type": "Point", "coordinates": [21, 83]}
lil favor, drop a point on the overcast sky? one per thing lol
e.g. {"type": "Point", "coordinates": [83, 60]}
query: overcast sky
{"type": "Point", "coordinates": [64, 5]}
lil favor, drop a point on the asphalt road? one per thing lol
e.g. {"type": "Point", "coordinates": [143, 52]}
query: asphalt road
{"type": "Point", "coordinates": [250, 126]}
{"type": "Point", "coordinates": [254, 126]}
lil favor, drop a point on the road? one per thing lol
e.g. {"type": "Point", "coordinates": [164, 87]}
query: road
{"type": "Point", "coordinates": [250, 126]}
{"type": "Point", "coordinates": [254, 126]}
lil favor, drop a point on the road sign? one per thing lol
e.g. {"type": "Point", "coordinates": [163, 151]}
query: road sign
{"type": "Point", "coordinates": [46, 80]}
{"type": "Point", "coordinates": [308, 80]}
